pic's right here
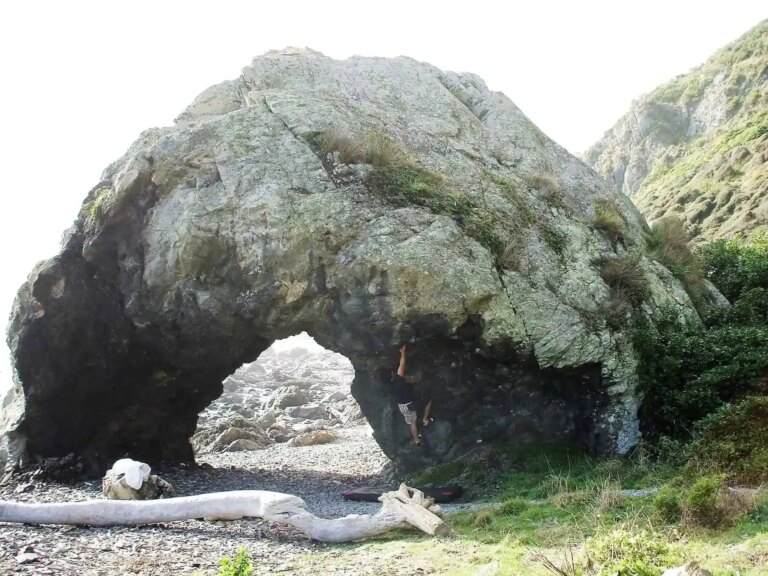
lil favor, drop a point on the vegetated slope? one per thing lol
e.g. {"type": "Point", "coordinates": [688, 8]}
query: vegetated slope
{"type": "Point", "coordinates": [697, 146]}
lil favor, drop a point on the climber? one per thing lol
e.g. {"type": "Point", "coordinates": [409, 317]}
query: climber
{"type": "Point", "coordinates": [408, 400]}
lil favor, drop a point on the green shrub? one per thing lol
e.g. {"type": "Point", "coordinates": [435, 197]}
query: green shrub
{"type": "Point", "coordinates": [95, 208]}
{"type": "Point", "coordinates": [688, 372]}
{"type": "Point", "coordinates": [758, 512]}
{"type": "Point", "coordinates": [626, 277]}
{"type": "Point", "coordinates": [666, 504]}
{"type": "Point", "coordinates": [734, 440]}
{"type": "Point", "coordinates": [483, 518]}
{"type": "Point", "coordinates": [736, 266]}
{"type": "Point", "coordinates": [673, 451]}
{"type": "Point", "coordinates": [554, 238]}
{"type": "Point", "coordinates": [610, 221]}
{"type": "Point", "coordinates": [626, 552]}
{"type": "Point", "coordinates": [701, 504]}
{"type": "Point", "coordinates": [513, 507]}
{"type": "Point", "coordinates": [240, 566]}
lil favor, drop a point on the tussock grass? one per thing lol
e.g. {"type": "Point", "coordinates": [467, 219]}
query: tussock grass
{"type": "Point", "coordinates": [610, 221]}
{"type": "Point", "coordinates": [669, 244]}
{"type": "Point", "coordinates": [627, 279]}
{"type": "Point", "coordinates": [374, 148]}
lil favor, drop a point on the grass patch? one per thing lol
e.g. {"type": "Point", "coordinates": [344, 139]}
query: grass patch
{"type": "Point", "coordinates": [405, 184]}
{"type": "Point", "coordinates": [626, 278]}
{"type": "Point", "coordinates": [374, 149]}
{"type": "Point", "coordinates": [95, 208]}
{"type": "Point", "coordinates": [610, 221]}
{"type": "Point", "coordinates": [584, 526]}
{"type": "Point", "coordinates": [669, 244]}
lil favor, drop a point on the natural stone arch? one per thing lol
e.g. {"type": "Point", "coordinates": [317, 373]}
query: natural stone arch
{"type": "Point", "coordinates": [211, 239]}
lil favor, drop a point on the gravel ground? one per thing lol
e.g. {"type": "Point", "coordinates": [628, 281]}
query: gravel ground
{"type": "Point", "coordinates": [318, 474]}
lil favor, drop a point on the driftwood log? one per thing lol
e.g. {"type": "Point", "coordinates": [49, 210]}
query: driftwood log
{"type": "Point", "coordinates": [403, 507]}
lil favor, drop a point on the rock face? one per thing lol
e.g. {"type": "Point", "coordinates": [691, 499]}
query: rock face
{"type": "Point", "coordinates": [467, 233]}
{"type": "Point", "coordinates": [697, 146]}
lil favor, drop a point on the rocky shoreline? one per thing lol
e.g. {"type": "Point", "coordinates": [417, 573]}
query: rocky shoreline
{"type": "Point", "coordinates": [317, 473]}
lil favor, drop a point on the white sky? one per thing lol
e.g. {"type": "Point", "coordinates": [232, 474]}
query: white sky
{"type": "Point", "coordinates": [81, 80]}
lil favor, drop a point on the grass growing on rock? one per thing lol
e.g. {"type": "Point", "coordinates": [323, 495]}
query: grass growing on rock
{"type": "Point", "coordinates": [669, 244]}
{"type": "Point", "coordinates": [610, 221]}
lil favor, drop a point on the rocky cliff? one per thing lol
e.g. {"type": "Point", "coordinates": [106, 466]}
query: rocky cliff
{"type": "Point", "coordinates": [368, 202]}
{"type": "Point", "coordinates": [697, 146]}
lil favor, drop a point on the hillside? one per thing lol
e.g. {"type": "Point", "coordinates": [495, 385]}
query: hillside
{"type": "Point", "coordinates": [697, 146]}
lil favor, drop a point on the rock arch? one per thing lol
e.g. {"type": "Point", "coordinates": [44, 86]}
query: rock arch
{"type": "Point", "coordinates": [212, 238]}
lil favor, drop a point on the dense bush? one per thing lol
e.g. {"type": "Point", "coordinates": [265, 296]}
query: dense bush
{"type": "Point", "coordinates": [736, 266]}
{"type": "Point", "coordinates": [626, 552]}
{"type": "Point", "coordinates": [701, 504]}
{"type": "Point", "coordinates": [666, 504]}
{"type": "Point", "coordinates": [734, 439]}
{"type": "Point", "coordinates": [689, 371]}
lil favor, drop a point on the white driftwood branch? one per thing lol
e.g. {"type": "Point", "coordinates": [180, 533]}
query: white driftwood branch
{"type": "Point", "coordinates": [398, 509]}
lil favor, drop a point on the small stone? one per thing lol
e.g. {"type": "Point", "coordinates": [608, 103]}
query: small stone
{"type": "Point", "coordinates": [23, 488]}
{"type": "Point", "coordinates": [27, 557]}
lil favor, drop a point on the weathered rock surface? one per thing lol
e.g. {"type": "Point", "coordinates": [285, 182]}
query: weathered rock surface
{"type": "Point", "coordinates": [231, 434]}
{"type": "Point", "coordinates": [313, 438]}
{"type": "Point", "coordinates": [697, 146]}
{"type": "Point", "coordinates": [212, 238]}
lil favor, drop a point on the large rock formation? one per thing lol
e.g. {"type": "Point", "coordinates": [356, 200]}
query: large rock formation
{"type": "Point", "coordinates": [697, 146]}
{"type": "Point", "coordinates": [462, 230]}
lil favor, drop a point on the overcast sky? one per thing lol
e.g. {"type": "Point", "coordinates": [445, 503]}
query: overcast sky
{"type": "Point", "coordinates": [81, 80]}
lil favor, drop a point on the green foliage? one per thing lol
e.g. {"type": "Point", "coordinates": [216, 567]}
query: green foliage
{"type": "Point", "coordinates": [610, 221]}
{"type": "Point", "coordinates": [759, 510]}
{"type": "Point", "coordinates": [688, 371]}
{"type": "Point", "coordinates": [736, 266]}
{"type": "Point", "coordinates": [483, 518]}
{"type": "Point", "coordinates": [94, 208]}
{"type": "Point", "coordinates": [734, 440]}
{"type": "Point", "coordinates": [666, 504]}
{"type": "Point", "coordinates": [513, 507]}
{"type": "Point", "coordinates": [554, 238]}
{"type": "Point", "coordinates": [701, 504]}
{"type": "Point", "coordinates": [627, 552]}
{"type": "Point", "coordinates": [240, 566]}
{"type": "Point", "coordinates": [405, 184]}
